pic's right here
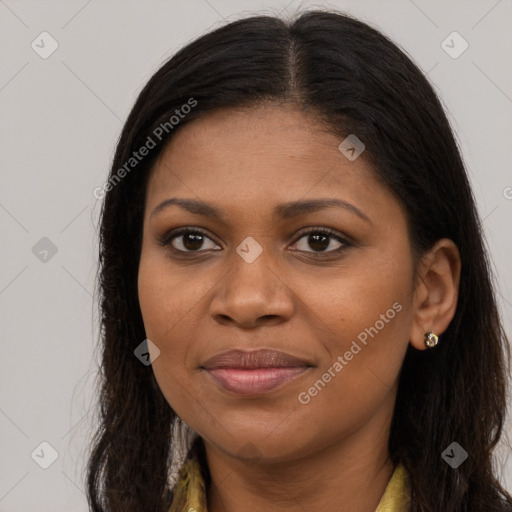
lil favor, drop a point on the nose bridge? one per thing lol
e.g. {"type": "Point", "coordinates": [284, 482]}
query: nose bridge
{"type": "Point", "coordinates": [250, 267]}
{"type": "Point", "coordinates": [251, 289]}
{"type": "Point", "coordinates": [250, 273]}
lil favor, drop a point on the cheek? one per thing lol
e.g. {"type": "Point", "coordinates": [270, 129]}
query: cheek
{"type": "Point", "coordinates": [369, 314]}
{"type": "Point", "coordinates": [372, 296]}
{"type": "Point", "coordinates": [152, 298]}
{"type": "Point", "coordinates": [161, 308]}
{"type": "Point", "coordinates": [166, 296]}
{"type": "Point", "coordinates": [359, 381]}
{"type": "Point", "coordinates": [170, 301]}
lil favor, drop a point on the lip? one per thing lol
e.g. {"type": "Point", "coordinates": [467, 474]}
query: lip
{"type": "Point", "coordinates": [255, 372]}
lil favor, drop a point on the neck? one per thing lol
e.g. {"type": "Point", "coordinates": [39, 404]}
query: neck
{"type": "Point", "coordinates": [351, 474]}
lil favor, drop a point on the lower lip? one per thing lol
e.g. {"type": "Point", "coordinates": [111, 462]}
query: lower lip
{"type": "Point", "coordinates": [254, 381]}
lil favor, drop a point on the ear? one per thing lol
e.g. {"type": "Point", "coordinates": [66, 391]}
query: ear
{"type": "Point", "coordinates": [436, 291]}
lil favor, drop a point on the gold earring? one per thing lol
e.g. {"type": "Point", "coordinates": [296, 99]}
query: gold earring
{"type": "Point", "coordinates": [431, 339]}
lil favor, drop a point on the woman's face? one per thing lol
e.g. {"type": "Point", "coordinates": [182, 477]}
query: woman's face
{"type": "Point", "coordinates": [263, 274]}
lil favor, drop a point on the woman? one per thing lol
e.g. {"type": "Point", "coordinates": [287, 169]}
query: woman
{"type": "Point", "coordinates": [288, 236]}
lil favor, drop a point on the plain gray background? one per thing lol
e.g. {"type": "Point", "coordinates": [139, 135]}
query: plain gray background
{"type": "Point", "coordinates": [61, 117]}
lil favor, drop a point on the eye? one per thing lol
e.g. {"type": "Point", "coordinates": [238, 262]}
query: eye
{"type": "Point", "coordinates": [188, 240]}
{"type": "Point", "coordinates": [322, 240]}
{"type": "Point", "coordinates": [193, 240]}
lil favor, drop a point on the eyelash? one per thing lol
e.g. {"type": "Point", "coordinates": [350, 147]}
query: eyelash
{"type": "Point", "coordinates": [168, 237]}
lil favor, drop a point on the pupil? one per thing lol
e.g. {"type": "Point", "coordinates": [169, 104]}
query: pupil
{"type": "Point", "coordinates": [192, 241]}
{"type": "Point", "coordinates": [315, 244]}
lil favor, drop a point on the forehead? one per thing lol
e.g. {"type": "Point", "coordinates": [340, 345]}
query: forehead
{"type": "Point", "coordinates": [259, 133]}
{"type": "Point", "coordinates": [261, 155]}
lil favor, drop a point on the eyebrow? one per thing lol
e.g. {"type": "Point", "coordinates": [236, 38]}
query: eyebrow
{"type": "Point", "coordinates": [285, 210]}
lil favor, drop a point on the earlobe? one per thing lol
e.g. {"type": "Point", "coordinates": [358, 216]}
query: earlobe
{"type": "Point", "coordinates": [436, 293]}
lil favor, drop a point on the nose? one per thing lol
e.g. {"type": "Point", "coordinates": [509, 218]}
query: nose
{"type": "Point", "coordinates": [252, 295]}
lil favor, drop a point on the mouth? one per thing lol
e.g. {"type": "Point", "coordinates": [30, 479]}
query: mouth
{"type": "Point", "coordinates": [256, 372]}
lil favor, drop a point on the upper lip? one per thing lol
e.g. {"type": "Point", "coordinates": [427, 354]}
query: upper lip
{"type": "Point", "coordinates": [260, 358]}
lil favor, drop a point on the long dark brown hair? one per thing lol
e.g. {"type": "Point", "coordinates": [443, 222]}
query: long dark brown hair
{"type": "Point", "coordinates": [359, 82]}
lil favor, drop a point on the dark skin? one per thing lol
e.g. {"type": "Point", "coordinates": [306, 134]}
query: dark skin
{"type": "Point", "coordinates": [272, 452]}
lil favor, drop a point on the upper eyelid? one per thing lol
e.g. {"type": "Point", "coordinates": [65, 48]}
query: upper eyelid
{"type": "Point", "coordinates": [170, 235]}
